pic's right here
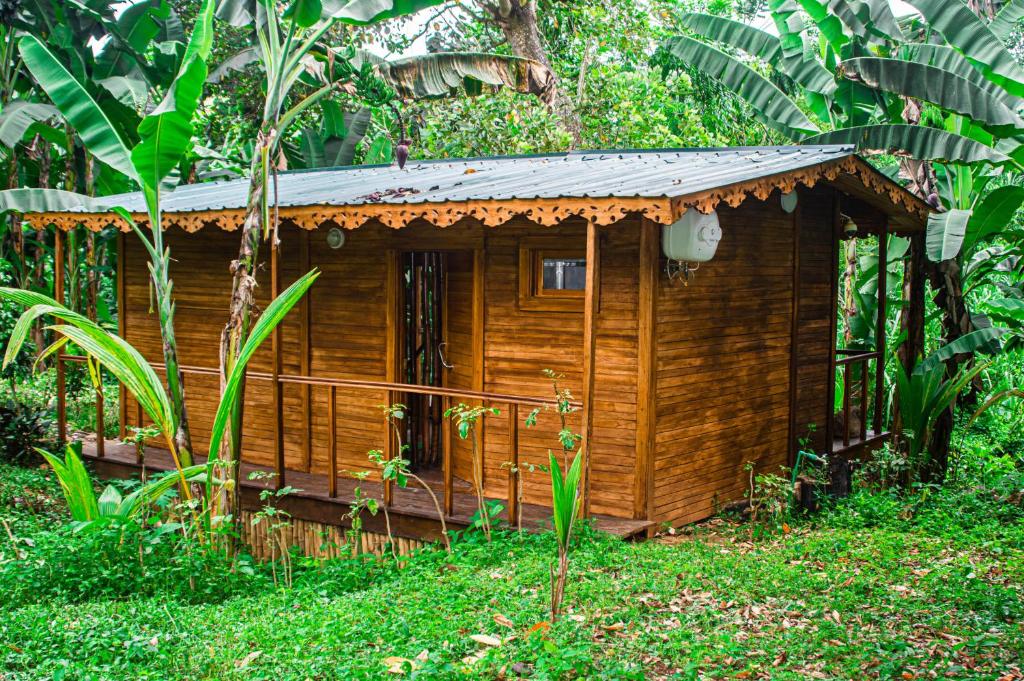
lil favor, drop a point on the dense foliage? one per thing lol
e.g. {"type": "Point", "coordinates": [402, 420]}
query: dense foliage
{"type": "Point", "coordinates": [879, 586]}
{"type": "Point", "coordinates": [916, 574]}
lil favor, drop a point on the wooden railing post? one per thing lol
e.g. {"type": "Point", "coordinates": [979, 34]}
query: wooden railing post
{"type": "Point", "coordinates": [864, 374]}
{"type": "Point", "coordinates": [277, 387]}
{"type": "Point", "coordinates": [846, 403]}
{"type": "Point", "coordinates": [590, 307]}
{"type": "Point", "coordinates": [101, 448]}
{"type": "Point", "coordinates": [513, 471]}
{"type": "Point", "coordinates": [122, 325]}
{"type": "Point", "coordinates": [389, 453]}
{"type": "Point", "coordinates": [332, 441]}
{"type": "Point", "coordinates": [833, 321]}
{"type": "Point", "coordinates": [58, 294]}
{"type": "Point", "coordinates": [446, 452]}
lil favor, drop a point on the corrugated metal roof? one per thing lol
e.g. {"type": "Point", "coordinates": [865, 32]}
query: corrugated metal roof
{"type": "Point", "coordinates": [585, 174]}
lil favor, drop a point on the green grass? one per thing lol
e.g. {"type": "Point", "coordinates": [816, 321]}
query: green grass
{"type": "Point", "coordinates": [878, 587]}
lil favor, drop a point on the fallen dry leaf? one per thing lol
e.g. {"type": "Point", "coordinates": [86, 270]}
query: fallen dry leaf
{"type": "Point", "coordinates": [503, 621]}
{"type": "Point", "coordinates": [486, 640]}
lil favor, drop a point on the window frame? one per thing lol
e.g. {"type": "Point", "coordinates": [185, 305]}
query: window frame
{"type": "Point", "coordinates": [533, 251]}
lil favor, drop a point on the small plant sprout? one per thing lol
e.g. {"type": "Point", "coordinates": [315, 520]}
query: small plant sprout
{"type": "Point", "coordinates": [466, 419]}
{"type": "Point", "coordinates": [770, 497]}
{"type": "Point", "coordinates": [275, 523]}
{"type": "Point", "coordinates": [518, 471]}
{"type": "Point", "coordinates": [566, 499]}
{"type": "Point", "coordinates": [360, 502]}
{"type": "Point", "coordinates": [397, 469]}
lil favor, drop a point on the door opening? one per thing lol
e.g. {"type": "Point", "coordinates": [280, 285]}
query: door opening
{"type": "Point", "coordinates": [422, 354]}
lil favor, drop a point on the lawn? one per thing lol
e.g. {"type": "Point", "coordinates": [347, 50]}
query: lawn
{"type": "Point", "coordinates": [930, 586]}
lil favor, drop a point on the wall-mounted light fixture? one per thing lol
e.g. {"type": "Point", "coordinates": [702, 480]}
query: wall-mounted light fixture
{"type": "Point", "coordinates": [689, 241]}
{"type": "Point", "coordinates": [788, 201]}
{"type": "Point", "coordinates": [335, 238]}
{"type": "Point", "coordinates": [849, 226]}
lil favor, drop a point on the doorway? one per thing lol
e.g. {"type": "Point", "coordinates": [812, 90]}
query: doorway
{"type": "Point", "coordinates": [435, 347]}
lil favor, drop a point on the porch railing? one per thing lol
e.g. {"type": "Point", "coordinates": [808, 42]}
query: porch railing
{"type": "Point", "coordinates": [856, 370]}
{"type": "Point", "coordinates": [509, 404]}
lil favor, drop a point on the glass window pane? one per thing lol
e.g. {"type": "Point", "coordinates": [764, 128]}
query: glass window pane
{"type": "Point", "coordinates": [564, 274]}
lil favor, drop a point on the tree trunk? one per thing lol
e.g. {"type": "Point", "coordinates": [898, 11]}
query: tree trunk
{"type": "Point", "coordinates": [946, 280]}
{"type": "Point", "coordinates": [517, 20]}
{"type": "Point", "coordinates": [912, 318]}
{"type": "Point", "coordinates": [235, 332]}
{"type": "Point", "coordinates": [849, 282]}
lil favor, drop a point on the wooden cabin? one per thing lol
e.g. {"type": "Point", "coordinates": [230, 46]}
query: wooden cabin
{"type": "Point", "coordinates": [461, 281]}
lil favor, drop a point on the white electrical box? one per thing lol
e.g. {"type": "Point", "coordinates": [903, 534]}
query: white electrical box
{"type": "Point", "coordinates": [692, 238]}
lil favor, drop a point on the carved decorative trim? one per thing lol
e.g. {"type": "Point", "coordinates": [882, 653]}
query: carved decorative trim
{"type": "Point", "coordinates": [491, 212]}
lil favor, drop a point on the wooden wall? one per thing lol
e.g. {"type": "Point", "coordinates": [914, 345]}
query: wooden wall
{"type": "Point", "coordinates": [815, 341]}
{"type": "Point", "coordinates": [723, 359]}
{"type": "Point", "coordinates": [347, 339]}
{"type": "Point", "coordinates": [519, 344]}
{"type": "Point", "coordinates": [721, 349]}
{"type": "Point", "coordinates": [202, 286]}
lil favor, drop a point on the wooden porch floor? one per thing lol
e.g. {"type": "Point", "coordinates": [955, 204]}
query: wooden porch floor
{"type": "Point", "coordinates": [856, 446]}
{"type": "Point", "coordinates": [412, 512]}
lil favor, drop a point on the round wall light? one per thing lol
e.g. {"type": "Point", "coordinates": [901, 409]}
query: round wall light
{"type": "Point", "coordinates": [335, 238]}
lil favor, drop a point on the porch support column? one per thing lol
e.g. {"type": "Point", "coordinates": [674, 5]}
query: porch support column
{"type": "Point", "coordinates": [646, 383]}
{"type": "Point", "coordinates": [830, 397]}
{"type": "Point", "coordinates": [277, 386]}
{"type": "Point", "coordinates": [58, 293]}
{"type": "Point", "coordinates": [591, 301]}
{"type": "Point", "coordinates": [122, 326]}
{"type": "Point", "coordinates": [305, 356]}
{"type": "Point", "coordinates": [883, 272]}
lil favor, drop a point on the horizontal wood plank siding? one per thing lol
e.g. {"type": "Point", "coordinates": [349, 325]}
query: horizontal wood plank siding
{"type": "Point", "coordinates": [347, 328]}
{"type": "Point", "coordinates": [814, 344]}
{"type": "Point", "coordinates": [520, 344]}
{"type": "Point", "coordinates": [723, 366]}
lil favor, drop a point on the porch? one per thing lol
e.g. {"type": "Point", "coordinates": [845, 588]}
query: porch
{"type": "Point", "coordinates": [326, 498]}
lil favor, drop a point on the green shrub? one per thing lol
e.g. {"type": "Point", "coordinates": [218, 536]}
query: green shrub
{"type": "Point", "coordinates": [122, 561]}
{"type": "Point", "coordinates": [23, 428]}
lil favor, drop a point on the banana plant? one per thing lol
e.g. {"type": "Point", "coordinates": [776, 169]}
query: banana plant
{"type": "Point", "coordinates": [139, 377]}
{"type": "Point", "coordinates": [291, 49]}
{"type": "Point", "coordinates": [923, 395]}
{"type": "Point", "coordinates": [165, 135]}
{"type": "Point", "coordinates": [940, 91]}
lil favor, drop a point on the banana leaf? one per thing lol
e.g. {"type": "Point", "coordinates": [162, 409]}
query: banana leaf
{"type": "Point", "coordinates": [1007, 19]}
{"type": "Point", "coordinates": [768, 101]}
{"type": "Point", "coordinates": [993, 214]}
{"type": "Point", "coordinates": [76, 104]}
{"type": "Point", "coordinates": [268, 320]}
{"type": "Point", "coordinates": [932, 84]}
{"type": "Point", "coordinates": [166, 132]}
{"type": "Point", "coordinates": [18, 116]}
{"type": "Point", "coordinates": [945, 234]}
{"type": "Point", "coordinates": [439, 75]}
{"type": "Point", "coordinates": [914, 141]}
{"type": "Point", "coordinates": [962, 29]}
{"type": "Point", "coordinates": [34, 200]}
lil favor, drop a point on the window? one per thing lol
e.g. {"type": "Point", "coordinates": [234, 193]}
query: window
{"type": "Point", "coordinates": [562, 274]}
{"type": "Point", "coordinates": [552, 277]}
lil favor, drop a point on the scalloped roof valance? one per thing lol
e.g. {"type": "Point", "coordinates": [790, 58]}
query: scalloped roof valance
{"type": "Point", "coordinates": [599, 186]}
